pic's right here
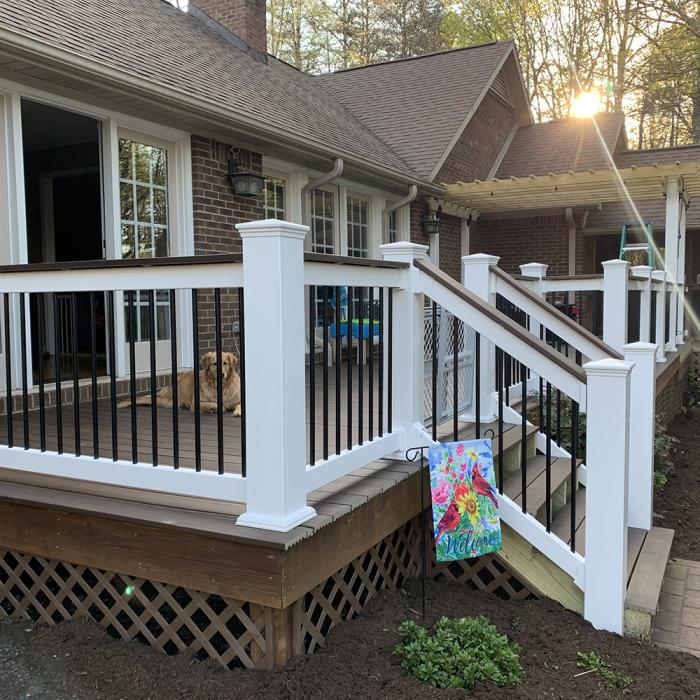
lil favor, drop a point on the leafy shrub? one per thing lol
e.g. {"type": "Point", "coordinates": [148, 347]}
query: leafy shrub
{"type": "Point", "coordinates": [459, 654]}
{"type": "Point", "coordinates": [692, 392]}
{"type": "Point", "coordinates": [609, 679]}
{"type": "Point", "coordinates": [665, 446]}
{"type": "Point", "coordinates": [561, 424]}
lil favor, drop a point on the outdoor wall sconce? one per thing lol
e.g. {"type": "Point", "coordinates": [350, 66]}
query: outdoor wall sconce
{"type": "Point", "coordinates": [245, 182]}
{"type": "Point", "coordinates": [431, 221]}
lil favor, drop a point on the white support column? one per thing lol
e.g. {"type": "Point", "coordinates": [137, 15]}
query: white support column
{"type": "Point", "coordinates": [642, 419]}
{"type": "Point", "coordinates": [680, 324]}
{"type": "Point", "coordinates": [434, 249]}
{"type": "Point", "coordinates": [615, 277]}
{"type": "Point", "coordinates": [673, 204]}
{"type": "Point", "coordinates": [476, 277]}
{"type": "Point", "coordinates": [607, 453]}
{"type": "Point", "coordinates": [644, 301]}
{"type": "Point", "coordinates": [273, 277]}
{"type": "Point", "coordinates": [659, 335]}
{"type": "Point", "coordinates": [408, 331]}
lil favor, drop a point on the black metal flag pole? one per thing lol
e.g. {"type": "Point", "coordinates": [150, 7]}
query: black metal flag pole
{"type": "Point", "coordinates": [412, 454]}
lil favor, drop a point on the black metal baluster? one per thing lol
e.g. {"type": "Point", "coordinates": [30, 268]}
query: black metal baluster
{"type": "Point", "coordinates": [381, 361]}
{"type": "Point", "coordinates": [325, 295]}
{"type": "Point", "coordinates": [195, 376]}
{"type": "Point", "coordinates": [57, 372]}
{"type": "Point", "coordinates": [548, 458]}
{"type": "Point", "coordinates": [360, 366]}
{"type": "Point", "coordinates": [42, 399]}
{"type": "Point", "coordinates": [499, 374]}
{"type": "Point", "coordinates": [477, 385]}
{"type": "Point", "coordinates": [23, 367]}
{"type": "Point", "coordinates": [433, 383]}
{"type": "Point", "coordinates": [508, 377]}
{"type": "Point", "coordinates": [349, 367]}
{"type": "Point", "coordinates": [541, 391]}
{"type": "Point", "coordinates": [130, 298]}
{"type": "Point", "coordinates": [241, 366]}
{"type": "Point", "coordinates": [312, 375]}
{"type": "Point", "coordinates": [574, 470]}
{"type": "Point", "coordinates": [112, 373]}
{"type": "Point", "coordinates": [76, 376]}
{"type": "Point", "coordinates": [154, 378]}
{"type": "Point", "coordinates": [219, 381]}
{"type": "Point", "coordinates": [455, 378]}
{"type": "Point", "coordinates": [559, 403]}
{"type": "Point", "coordinates": [390, 362]}
{"type": "Point", "coordinates": [93, 379]}
{"type": "Point", "coordinates": [174, 378]}
{"type": "Point", "coordinates": [523, 440]}
{"type": "Point", "coordinates": [338, 361]}
{"type": "Point", "coordinates": [370, 345]}
{"type": "Point", "coordinates": [8, 369]}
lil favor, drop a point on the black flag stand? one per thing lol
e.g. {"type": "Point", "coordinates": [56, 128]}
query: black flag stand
{"type": "Point", "coordinates": [412, 454]}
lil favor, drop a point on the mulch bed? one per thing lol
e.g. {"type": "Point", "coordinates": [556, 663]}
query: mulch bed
{"type": "Point", "coordinates": [677, 505]}
{"type": "Point", "coordinates": [78, 660]}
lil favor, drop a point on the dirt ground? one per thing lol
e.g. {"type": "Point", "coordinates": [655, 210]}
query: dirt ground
{"type": "Point", "coordinates": [77, 660]}
{"type": "Point", "coordinates": [677, 505]}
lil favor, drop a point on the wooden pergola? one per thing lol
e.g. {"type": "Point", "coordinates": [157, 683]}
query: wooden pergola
{"type": "Point", "coordinates": [581, 188]}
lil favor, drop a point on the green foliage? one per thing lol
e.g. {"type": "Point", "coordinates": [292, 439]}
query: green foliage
{"type": "Point", "coordinates": [561, 423]}
{"type": "Point", "coordinates": [692, 392]}
{"type": "Point", "coordinates": [665, 446]}
{"type": "Point", "coordinates": [609, 679]}
{"type": "Point", "coordinates": [459, 653]}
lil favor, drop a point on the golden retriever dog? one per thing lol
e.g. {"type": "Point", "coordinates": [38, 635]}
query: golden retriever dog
{"type": "Point", "coordinates": [207, 387]}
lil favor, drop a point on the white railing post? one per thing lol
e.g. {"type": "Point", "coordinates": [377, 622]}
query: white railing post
{"type": "Point", "coordinates": [607, 453]}
{"type": "Point", "coordinates": [476, 277]}
{"type": "Point", "coordinates": [273, 279]}
{"type": "Point", "coordinates": [615, 287]}
{"type": "Point", "coordinates": [659, 277]}
{"type": "Point", "coordinates": [680, 324]}
{"type": "Point", "coordinates": [671, 254]}
{"type": "Point", "coordinates": [644, 301]}
{"type": "Point", "coordinates": [408, 331]}
{"type": "Point", "coordinates": [642, 357]}
{"type": "Point", "coordinates": [537, 273]}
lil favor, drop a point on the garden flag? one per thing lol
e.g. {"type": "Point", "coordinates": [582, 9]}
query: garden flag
{"type": "Point", "coordinates": [465, 509]}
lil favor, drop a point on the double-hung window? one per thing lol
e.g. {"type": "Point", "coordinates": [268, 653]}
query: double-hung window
{"type": "Point", "coordinates": [322, 219]}
{"type": "Point", "coordinates": [273, 198]}
{"type": "Point", "coordinates": [358, 226]}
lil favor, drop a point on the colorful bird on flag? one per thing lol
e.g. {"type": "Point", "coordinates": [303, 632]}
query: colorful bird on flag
{"type": "Point", "coordinates": [448, 521]}
{"type": "Point", "coordinates": [481, 485]}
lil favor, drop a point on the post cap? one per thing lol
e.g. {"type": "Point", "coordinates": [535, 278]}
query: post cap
{"type": "Point", "coordinates": [268, 228]}
{"type": "Point", "coordinates": [615, 264]}
{"type": "Point", "coordinates": [403, 249]}
{"type": "Point", "coordinates": [534, 269]}
{"type": "Point", "coordinates": [639, 348]}
{"type": "Point", "coordinates": [641, 271]}
{"type": "Point", "coordinates": [480, 259]}
{"type": "Point", "coordinates": [607, 367]}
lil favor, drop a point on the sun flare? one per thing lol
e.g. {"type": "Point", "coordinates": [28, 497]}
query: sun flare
{"type": "Point", "coordinates": [586, 104]}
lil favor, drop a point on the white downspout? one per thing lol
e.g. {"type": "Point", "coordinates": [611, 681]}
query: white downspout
{"type": "Point", "coordinates": [333, 174]}
{"type": "Point", "coordinates": [412, 194]}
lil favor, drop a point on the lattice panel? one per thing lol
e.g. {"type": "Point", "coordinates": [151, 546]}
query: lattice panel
{"type": "Point", "coordinates": [167, 617]}
{"type": "Point", "coordinates": [343, 595]}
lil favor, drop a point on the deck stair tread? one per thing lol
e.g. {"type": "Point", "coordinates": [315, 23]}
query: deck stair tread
{"type": "Point", "coordinates": [537, 481]}
{"type": "Point", "coordinates": [467, 431]}
{"type": "Point", "coordinates": [561, 524]}
{"type": "Point", "coordinates": [647, 575]}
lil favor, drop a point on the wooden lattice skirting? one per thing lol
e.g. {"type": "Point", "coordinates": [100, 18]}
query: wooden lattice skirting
{"type": "Point", "coordinates": [233, 632]}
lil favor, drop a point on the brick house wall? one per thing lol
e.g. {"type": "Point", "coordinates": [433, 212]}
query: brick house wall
{"type": "Point", "coordinates": [217, 210]}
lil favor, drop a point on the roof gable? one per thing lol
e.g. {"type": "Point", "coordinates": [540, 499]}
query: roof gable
{"type": "Point", "coordinates": [419, 106]}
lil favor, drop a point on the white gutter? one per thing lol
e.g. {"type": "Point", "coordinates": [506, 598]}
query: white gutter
{"type": "Point", "coordinates": [333, 174]}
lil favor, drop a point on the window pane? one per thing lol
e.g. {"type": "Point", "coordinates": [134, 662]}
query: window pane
{"type": "Point", "coordinates": [160, 236]}
{"type": "Point", "coordinates": [126, 193]}
{"type": "Point", "coordinates": [160, 207]}
{"type": "Point", "coordinates": [145, 242]}
{"type": "Point", "coordinates": [159, 165]}
{"type": "Point", "coordinates": [127, 241]}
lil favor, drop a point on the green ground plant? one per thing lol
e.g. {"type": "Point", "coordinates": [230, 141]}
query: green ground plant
{"type": "Point", "coordinates": [609, 679]}
{"type": "Point", "coordinates": [665, 446]}
{"type": "Point", "coordinates": [691, 398]}
{"type": "Point", "coordinates": [459, 653]}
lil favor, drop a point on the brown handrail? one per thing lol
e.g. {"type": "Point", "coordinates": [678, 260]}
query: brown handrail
{"type": "Point", "coordinates": [351, 260]}
{"type": "Point", "coordinates": [547, 308]}
{"type": "Point", "coordinates": [129, 263]}
{"type": "Point", "coordinates": [495, 315]}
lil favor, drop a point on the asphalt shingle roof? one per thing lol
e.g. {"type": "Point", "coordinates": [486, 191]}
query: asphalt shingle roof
{"type": "Point", "coordinates": [153, 40]}
{"type": "Point", "coordinates": [561, 146]}
{"type": "Point", "coordinates": [418, 105]}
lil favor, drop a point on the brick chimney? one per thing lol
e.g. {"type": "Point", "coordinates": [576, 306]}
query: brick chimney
{"type": "Point", "coordinates": [245, 18]}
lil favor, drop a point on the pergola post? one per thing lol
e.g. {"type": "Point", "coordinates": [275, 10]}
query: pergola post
{"type": "Point", "coordinates": [680, 324]}
{"type": "Point", "coordinates": [659, 278]}
{"type": "Point", "coordinates": [644, 271]}
{"type": "Point", "coordinates": [671, 249]}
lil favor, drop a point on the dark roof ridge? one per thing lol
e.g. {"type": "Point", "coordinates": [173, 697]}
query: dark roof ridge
{"type": "Point", "coordinates": [665, 149]}
{"type": "Point", "coordinates": [414, 58]}
{"type": "Point", "coordinates": [571, 118]}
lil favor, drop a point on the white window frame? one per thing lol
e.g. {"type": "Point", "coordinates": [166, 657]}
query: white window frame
{"type": "Point", "coordinates": [350, 195]}
{"type": "Point", "coordinates": [14, 249]}
{"type": "Point", "coordinates": [336, 219]}
{"type": "Point", "coordinates": [284, 178]}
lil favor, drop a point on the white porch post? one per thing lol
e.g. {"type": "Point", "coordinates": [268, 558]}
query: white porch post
{"type": "Point", "coordinates": [644, 301]}
{"type": "Point", "coordinates": [537, 273]}
{"type": "Point", "coordinates": [476, 277]}
{"type": "Point", "coordinates": [607, 452]}
{"type": "Point", "coordinates": [408, 331]}
{"type": "Point", "coordinates": [680, 325]}
{"type": "Point", "coordinates": [642, 418]}
{"type": "Point", "coordinates": [659, 277]}
{"type": "Point", "coordinates": [615, 274]}
{"type": "Point", "coordinates": [673, 203]}
{"type": "Point", "coordinates": [273, 277]}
